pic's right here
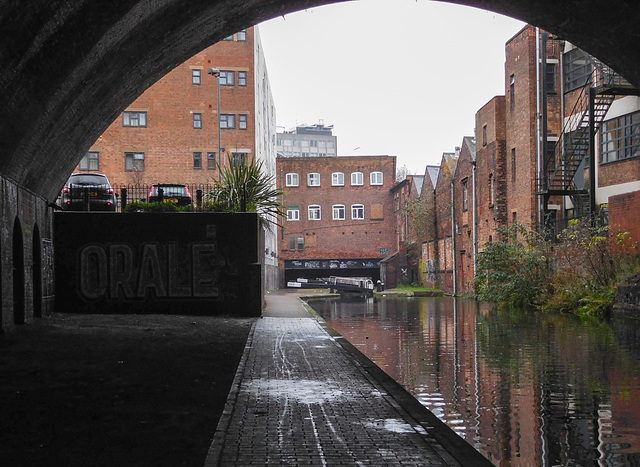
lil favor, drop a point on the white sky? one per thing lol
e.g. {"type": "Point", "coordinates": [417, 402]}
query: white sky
{"type": "Point", "coordinates": [397, 77]}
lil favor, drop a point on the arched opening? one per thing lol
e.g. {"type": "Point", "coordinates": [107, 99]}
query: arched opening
{"type": "Point", "coordinates": [18, 274]}
{"type": "Point", "coordinates": [37, 273]}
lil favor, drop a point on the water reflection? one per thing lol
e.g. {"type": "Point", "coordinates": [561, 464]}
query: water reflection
{"type": "Point", "coordinates": [524, 388]}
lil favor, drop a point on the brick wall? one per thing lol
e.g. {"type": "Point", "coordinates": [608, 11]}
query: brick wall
{"type": "Point", "coordinates": [463, 212]}
{"type": "Point", "coordinates": [491, 170]}
{"type": "Point", "coordinates": [170, 139]}
{"type": "Point", "coordinates": [371, 237]}
{"type": "Point", "coordinates": [620, 217]}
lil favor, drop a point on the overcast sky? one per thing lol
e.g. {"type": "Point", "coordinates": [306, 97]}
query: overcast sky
{"type": "Point", "coordinates": [397, 77]}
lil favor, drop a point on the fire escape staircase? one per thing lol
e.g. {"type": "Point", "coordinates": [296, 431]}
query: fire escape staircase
{"type": "Point", "coordinates": [572, 147]}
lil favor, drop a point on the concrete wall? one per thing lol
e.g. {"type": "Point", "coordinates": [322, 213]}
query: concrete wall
{"type": "Point", "coordinates": [190, 263]}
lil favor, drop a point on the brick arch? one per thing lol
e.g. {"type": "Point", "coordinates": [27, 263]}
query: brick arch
{"type": "Point", "coordinates": [67, 69]}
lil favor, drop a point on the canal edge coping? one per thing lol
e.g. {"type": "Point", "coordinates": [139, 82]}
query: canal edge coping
{"type": "Point", "coordinates": [453, 444]}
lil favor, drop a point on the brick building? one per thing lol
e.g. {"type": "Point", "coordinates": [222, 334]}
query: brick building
{"type": "Point", "coordinates": [464, 214]}
{"type": "Point", "coordinates": [173, 132]}
{"type": "Point", "coordinates": [532, 160]}
{"type": "Point", "coordinates": [339, 215]}
{"type": "Point", "coordinates": [438, 251]}
{"type": "Point", "coordinates": [404, 264]}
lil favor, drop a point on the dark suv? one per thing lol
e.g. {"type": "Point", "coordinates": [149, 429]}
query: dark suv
{"type": "Point", "coordinates": [88, 192]}
{"type": "Point", "coordinates": [171, 193]}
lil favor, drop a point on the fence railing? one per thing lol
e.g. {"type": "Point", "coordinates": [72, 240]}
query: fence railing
{"type": "Point", "coordinates": [129, 193]}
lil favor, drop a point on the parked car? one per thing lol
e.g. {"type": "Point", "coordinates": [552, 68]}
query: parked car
{"type": "Point", "coordinates": [88, 192]}
{"type": "Point", "coordinates": [171, 193]}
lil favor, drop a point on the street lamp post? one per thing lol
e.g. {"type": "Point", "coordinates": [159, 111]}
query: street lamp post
{"type": "Point", "coordinates": [215, 72]}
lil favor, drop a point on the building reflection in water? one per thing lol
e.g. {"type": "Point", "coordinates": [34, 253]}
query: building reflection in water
{"type": "Point", "coordinates": [524, 388]}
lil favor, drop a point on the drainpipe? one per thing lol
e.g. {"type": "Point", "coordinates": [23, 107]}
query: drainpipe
{"type": "Point", "coordinates": [539, 162]}
{"type": "Point", "coordinates": [475, 207]}
{"type": "Point", "coordinates": [453, 243]}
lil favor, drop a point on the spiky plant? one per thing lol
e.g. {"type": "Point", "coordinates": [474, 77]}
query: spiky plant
{"type": "Point", "coordinates": [245, 187]}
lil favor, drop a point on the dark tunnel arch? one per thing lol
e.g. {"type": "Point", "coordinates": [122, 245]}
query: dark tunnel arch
{"type": "Point", "coordinates": [67, 69]}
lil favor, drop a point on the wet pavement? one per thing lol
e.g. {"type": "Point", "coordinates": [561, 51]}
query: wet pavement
{"type": "Point", "coordinates": [304, 396]}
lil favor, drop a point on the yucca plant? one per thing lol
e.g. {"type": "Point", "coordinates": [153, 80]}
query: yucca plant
{"type": "Point", "coordinates": [244, 187]}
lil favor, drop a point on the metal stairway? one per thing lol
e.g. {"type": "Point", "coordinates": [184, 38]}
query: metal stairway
{"type": "Point", "coordinates": [572, 148]}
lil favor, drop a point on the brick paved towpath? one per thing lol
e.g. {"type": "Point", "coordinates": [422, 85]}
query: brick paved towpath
{"type": "Point", "coordinates": [304, 396]}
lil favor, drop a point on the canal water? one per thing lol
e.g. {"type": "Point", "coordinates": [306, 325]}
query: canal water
{"type": "Point", "coordinates": [524, 388]}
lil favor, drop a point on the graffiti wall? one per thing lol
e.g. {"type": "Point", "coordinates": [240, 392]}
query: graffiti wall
{"type": "Point", "coordinates": [186, 263]}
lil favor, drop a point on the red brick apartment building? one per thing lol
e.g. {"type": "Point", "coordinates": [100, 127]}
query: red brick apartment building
{"type": "Point", "coordinates": [170, 133]}
{"type": "Point", "coordinates": [178, 132]}
{"type": "Point", "coordinates": [529, 161]}
{"type": "Point", "coordinates": [340, 217]}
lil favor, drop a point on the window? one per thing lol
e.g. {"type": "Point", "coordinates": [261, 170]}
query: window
{"type": "Point", "coordinates": [227, 78]}
{"type": "Point", "coordinates": [242, 35]}
{"type": "Point", "coordinates": [576, 69]}
{"type": "Point", "coordinates": [513, 165]}
{"type": "Point", "coordinates": [300, 243]}
{"type": "Point", "coordinates": [465, 194]}
{"type": "Point", "coordinates": [134, 119]}
{"type": "Point", "coordinates": [292, 179]}
{"type": "Point", "coordinates": [293, 213]}
{"type": "Point", "coordinates": [550, 78]}
{"type": "Point", "coordinates": [91, 161]}
{"type": "Point", "coordinates": [484, 135]}
{"type": "Point", "coordinates": [211, 160]}
{"type": "Point", "coordinates": [512, 91]}
{"type": "Point", "coordinates": [229, 38]}
{"type": "Point", "coordinates": [196, 76]}
{"type": "Point", "coordinates": [313, 179]}
{"type": "Point", "coordinates": [197, 120]}
{"type": "Point", "coordinates": [238, 159]}
{"type": "Point", "coordinates": [197, 160]}
{"type": "Point", "coordinates": [376, 178]}
{"type": "Point", "coordinates": [357, 211]}
{"type": "Point", "coordinates": [357, 179]}
{"type": "Point", "coordinates": [292, 243]}
{"type": "Point", "coordinates": [338, 212]}
{"type": "Point", "coordinates": [337, 179]}
{"type": "Point", "coordinates": [242, 78]}
{"type": "Point", "coordinates": [242, 122]}
{"type": "Point", "coordinates": [620, 138]}
{"type": "Point", "coordinates": [314, 212]}
{"type": "Point", "coordinates": [227, 121]}
{"type": "Point", "coordinates": [313, 143]}
{"type": "Point", "coordinates": [134, 161]}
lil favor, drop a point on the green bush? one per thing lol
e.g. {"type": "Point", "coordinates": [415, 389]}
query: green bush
{"type": "Point", "coordinates": [512, 271]}
{"type": "Point", "coordinates": [139, 206]}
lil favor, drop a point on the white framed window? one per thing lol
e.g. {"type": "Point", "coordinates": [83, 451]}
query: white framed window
{"type": "Point", "coordinates": [338, 212]}
{"type": "Point", "coordinates": [242, 35]}
{"type": "Point", "coordinates": [357, 211]}
{"type": "Point", "coordinates": [337, 179]}
{"type": "Point", "coordinates": [292, 179]}
{"type": "Point", "coordinates": [196, 76]}
{"type": "Point", "coordinates": [357, 179]}
{"type": "Point", "coordinates": [315, 212]}
{"type": "Point", "coordinates": [293, 213]}
{"type": "Point", "coordinates": [376, 178]}
{"type": "Point", "coordinates": [313, 179]}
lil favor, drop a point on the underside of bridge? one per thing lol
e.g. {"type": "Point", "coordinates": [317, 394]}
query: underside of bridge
{"type": "Point", "coordinates": [69, 67]}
